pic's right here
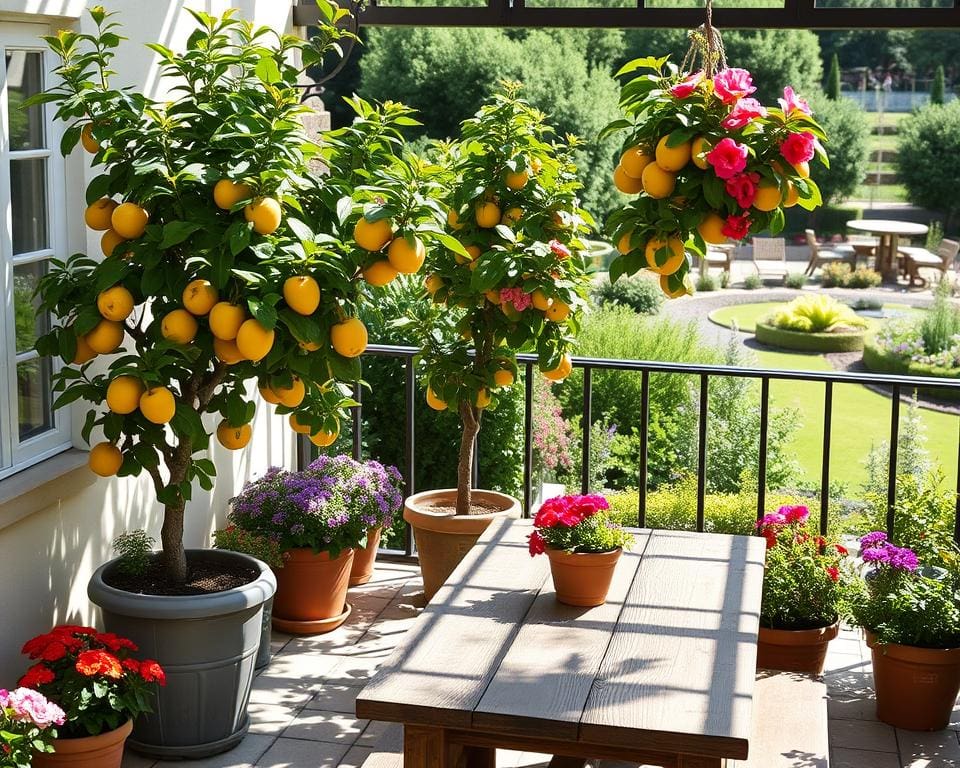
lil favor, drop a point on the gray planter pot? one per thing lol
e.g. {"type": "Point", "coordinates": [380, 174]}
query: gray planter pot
{"type": "Point", "coordinates": [207, 644]}
{"type": "Point", "coordinates": [263, 653]}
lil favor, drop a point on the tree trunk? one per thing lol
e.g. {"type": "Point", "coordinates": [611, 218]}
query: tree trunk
{"type": "Point", "coordinates": [171, 539]}
{"type": "Point", "coordinates": [471, 425]}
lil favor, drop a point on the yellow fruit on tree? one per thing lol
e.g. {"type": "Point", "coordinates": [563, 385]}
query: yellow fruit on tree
{"type": "Point", "coordinates": [674, 259]}
{"type": "Point", "coordinates": [99, 213]}
{"type": "Point", "coordinates": [324, 437]}
{"type": "Point", "coordinates": [265, 213]}
{"type": "Point", "coordinates": [373, 235]}
{"type": "Point", "coordinates": [129, 220]}
{"type": "Point", "coordinates": [473, 253]}
{"type": "Point", "coordinates": [657, 182]}
{"type": "Point", "coordinates": [226, 319]}
{"type": "Point", "coordinates": [483, 398]}
{"type": "Point", "coordinates": [433, 283]}
{"type": "Point", "coordinates": [493, 296]}
{"type": "Point", "coordinates": [269, 394]}
{"type": "Point", "coordinates": [558, 311]}
{"type": "Point", "coordinates": [115, 303]}
{"type": "Point", "coordinates": [349, 338]}
{"type": "Point", "coordinates": [536, 165]}
{"type": "Point", "coordinates": [633, 161]}
{"type": "Point", "coordinates": [293, 395]}
{"type": "Point", "coordinates": [302, 294]}
{"type": "Point", "coordinates": [227, 351]}
{"type": "Point", "coordinates": [105, 459]}
{"type": "Point", "coordinates": [179, 326]}
{"type": "Point", "coordinates": [298, 426]}
{"type": "Point", "coordinates": [158, 405]}
{"type": "Point", "coordinates": [105, 337]}
{"type": "Point", "coordinates": [487, 214]}
{"type": "Point", "coordinates": [253, 340]}
{"type": "Point", "coordinates": [308, 346]}
{"type": "Point", "coordinates": [540, 300]}
{"type": "Point", "coordinates": [623, 244]}
{"type": "Point", "coordinates": [227, 193]}
{"type": "Point", "coordinates": [672, 286]}
{"type": "Point", "coordinates": [504, 377]}
{"type": "Point", "coordinates": [84, 354]}
{"type": "Point", "coordinates": [405, 255]}
{"type": "Point", "coordinates": [380, 273]}
{"type": "Point", "coordinates": [511, 217]}
{"type": "Point", "coordinates": [803, 170]}
{"type": "Point", "coordinates": [110, 241]}
{"type": "Point", "coordinates": [673, 158]}
{"type": "Point", "coordinates": [199, 297]}
{"type": "Point", "coordinates": [768, 196]}
{"type": "Point", "coordinates": [698, 152]}
{"type": "Point", "coordinates": [88, 141]}
{"type": "Point", "coordinates": [711, 228]}
{"type": "Point", "coordinates": [234, 438]}
{"type": "Point", "coordinates": [435, 402]}
{"type": "Point", "coordinates": [626, 183]}
{"type": "Point", "coordinates": [453, 220]}
{"type": "Point", "coordinates": [791, 196]}
{"type": "Point", "coordinates": [517, 179]}
{"type": "Point", "coordinates": [123, 394]}
{"type": "Point", "coordinates": [563, 369]}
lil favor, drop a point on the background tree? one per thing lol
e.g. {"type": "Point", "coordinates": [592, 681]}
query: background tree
{"type": "Point", "coordinates": [936, 88]}
{"type": "Point", "coordinates": [847, 129]}
{"type": "Point", "coordinates": [833, 78]}
{"type": "Point", "coordinates": [928, 158]}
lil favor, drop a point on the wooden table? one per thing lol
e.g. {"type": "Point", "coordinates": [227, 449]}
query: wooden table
{"type": "Point", "coordinates": [890, 233]}
{"type": "Point", "coordinates": [662, 674]}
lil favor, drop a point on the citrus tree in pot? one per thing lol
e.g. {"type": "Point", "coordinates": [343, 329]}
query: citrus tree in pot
{"type": "Point", "coordinates": [514, 280]}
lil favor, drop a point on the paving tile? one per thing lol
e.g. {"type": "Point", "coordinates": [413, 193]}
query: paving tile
{"type": "Point", "coordinates": [863, 734]}
{"type": "Point", "coordinates": [245, 755]}
{"type": "Point", "coordinates": [372, 733]}
{"type": "Point", "coordinates": [355, 757]}
{"type": "Point", "coordinates": [851, 709]}
{"type": "Point", "coordinates": [333, 727]}
{"type": "Point", "coordinates": [270, 718]}
{"type": "Point", "coordinates": [939, 749]}
{"type": "Point", "coordinates": [132, 760]}
{"type": "Point", "coordinates": [355, 669]}
{"type": "Point", "coordinates": [849, 684]}
{"type": "Point", "coordinates": [335, 698]}
{"type": "Point", "coordinates": [862, 758]}
{"type": "Point", "coordinates": [296, 753]}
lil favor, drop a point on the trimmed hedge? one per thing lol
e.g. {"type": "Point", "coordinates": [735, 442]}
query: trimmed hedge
{"type": "Point", "coordinates": [810, 342]}
{"type": "Point", "coordinates": [880, 361]}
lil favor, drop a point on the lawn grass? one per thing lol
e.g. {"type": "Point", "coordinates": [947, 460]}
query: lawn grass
{"type": "Point", "coordinates": [880, 193]}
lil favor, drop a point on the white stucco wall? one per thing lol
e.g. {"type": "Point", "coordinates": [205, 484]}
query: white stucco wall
{"type": "Point", "coordinates": [47, 557]}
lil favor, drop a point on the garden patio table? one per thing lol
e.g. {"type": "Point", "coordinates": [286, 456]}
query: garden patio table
{"type": "Point", "coordinates": [661, 674]}
{"type": "Point", "coordinates": [890, 233]}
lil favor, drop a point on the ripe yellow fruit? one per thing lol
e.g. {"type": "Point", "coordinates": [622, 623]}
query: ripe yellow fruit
{"type": "Point", "coordinates": [253, 340]}
{"type": "Point", "coordinates": [308, 346]}
{"type": "Point", "coordinates": [105, 459]}
{"type": "Point", "coordinates": [227, 193]}
{"type": "Point", "coordinates": [633, 161]}
{"type": "Point", "coordinates": [349, 338]}
{"type": "Point", "coordinates": [803, 170]}
{"type": "Point", "coordinates": [453, 220]}
{"type": "Point", "coordinates": [657, 182]}
{"type": "Point", "coordinates": [673, 158]}
{"type": "Point", "coordinates": [623, 244]}
{"type": "Point", "coordinates": [792, 195]}
{"type": "Point", "coordinates": [234, 438]}
{"type": "Point", "coordinates": [129, 220]}
{"type": "Point", "coordinates": [298, 426]}
{"type": "Point", "coordinates": [88, 141]}
{"type": "Point", "coordinates": [711, 228]}
{"type": "Point", "coordinates": [106, 336]}
{"type": "Point", "coordinates": [504, 378]}
{"type": "Point", "coordinates": [115, 303]}
{"type": "Point", "coordinates": [435, 402]}
{"type": "Point", "coordinates": [473, 253]}
{"type": "Point", "coordinates": [487, 214]}
{"type": "Point", "coordinates": [269, 394]}
{"type": "Point", "coordinates": [373, 235]}
{"type": "Point", "coordinates": [674, 259]}
{"type": "Point", "coordinates": [768, 196]}
{"type": "Point", "coordinates": [323, 438]}
{"type": "Point", "coordinates": [293, 395]}
{"type": "Point", "coordinates": [536, 165]}
{"type": "Point", "coordinates": [563, 369]}
{"type": "Point", "coordinates": [512, 216]}
{"type": "Point", "coordinates": [265, 213]}
{"type": "Point", "coordinates": [406, 257]}
{"type": "Point", "coordinates": [158, 405]}
{"type": "Point", "coordinates": [558, 311]}
{"type": "Point", "coordinates": [540, 300]}
{"type": "Point", "coordinates": [84, 354]}
{"type": "Point", "coordinates": [110, 241]}
{"type": "Point", "coordinates": [517, 179]}
{"type": "Point", "coordinates": [493, 296]}
{"type": "Point", "coordinates": [123, 394]}
{"type": "Point", "coordinates": [698, 152]}
{"type": "Point", "coordinates": [227, 351]}
{"type": "Point", "coordinates": [226, 319]}
{"type": "Point", "coordinates": [199, 297]}
{"type": "Point", "coordinates": [98, 214]}
{"type": "Point", "coordinates": [382, 273]}
{"type": "Point", "coordinates": [483, 398]}
{"type": "Point", "coordinates": [432, 283]}
{"type": "Point", "coordinates": [179, 326]}
{"type": "Point", "coordinates": [302, 294]}
{"type": "Point", "coordinates": [673, 287]}
{"type": "Point", "coordinates": [626, 183]}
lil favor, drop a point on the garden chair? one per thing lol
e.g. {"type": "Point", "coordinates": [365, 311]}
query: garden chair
{"type": "Point", "coordinates": [770, 256]}
{"type": "Point", "coordinates": [820, 255]}
{"type": "Point", "coordinates": [916, 259]}
{"type": "Point", "coordinates": [718, 256]}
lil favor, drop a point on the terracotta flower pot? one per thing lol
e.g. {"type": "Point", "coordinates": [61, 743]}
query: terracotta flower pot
{"type": "Point", "coordinates": [442, 537]}
{"type": "Point", "coordinates": [312, 591]}
{"type": "Point", "coordinates": [582, 578]}
{"type": "Point", "coordinates": [363, 559]}
{"type": "Point", "coordinates": [916, 687]}
{"type": "Point", "coordinates": [795, 650]}
{"type": "Point", "coordinates": [102, 751]}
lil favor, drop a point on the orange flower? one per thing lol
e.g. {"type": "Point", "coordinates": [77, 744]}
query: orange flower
{"type": "Point", "coordinates": [92, 663]}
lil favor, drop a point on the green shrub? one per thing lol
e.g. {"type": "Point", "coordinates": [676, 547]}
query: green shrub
{"type": "Point", "coordinates": [815, 313]}
{"type": "Point", "coordinates": [752, 282]}
{"type": "Point", "coordinates": [638, 292]}
{"type": "Point", "coordinates": [928, 158]}
{"type": "Point", "coordinates": [845, 122]}
{"type": "Point", "coordinates": [707, 283]}
{"type": "Point", "coordinates": [795, 280]}
{"type": "Point", "coordinates": [863, 277]}
{"type": "Point", "coordinates": [803, 341]}
{"type": "Point", "coordinates": [827, 221]}
{"type": "Point", "coordinates": [835, 274]}
{"type": "Point", "coordinates": [725, 279]}
{"type": "Point", "coordinates": [862, 303]}
{"type": "Point", "coordinates": [133, 550]}
{"type": "Point", "coordinates": [941, 323]}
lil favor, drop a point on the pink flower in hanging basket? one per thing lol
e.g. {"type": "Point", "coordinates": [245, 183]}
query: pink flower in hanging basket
{"type": "Point", "coordinates": [687, 86]}
{"type": "Point", "coordinates": [791, 103]}
{"type": "Point", "coordinates": [798, 147]}
{"type": "Point", "coordinates": [743, 188]}
{"type": "Point", "coordinates": [728, 158]}
{"type": "Point", "coordinates": [733, 84]}
{"type": "Point", "coordinates": [742, 113]}
{"type": "Point", "coordinates": [736, 227]}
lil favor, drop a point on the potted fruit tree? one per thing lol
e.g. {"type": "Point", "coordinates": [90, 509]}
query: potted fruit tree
{"type": "Point", "coordinates": [514, 279]}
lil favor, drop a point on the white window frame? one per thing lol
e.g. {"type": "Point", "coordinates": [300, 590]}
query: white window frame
{"type": "Point", "coordinates": [14, 454]}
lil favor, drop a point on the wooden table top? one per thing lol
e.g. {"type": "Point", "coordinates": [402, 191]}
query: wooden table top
{"type": "Point", "coordinates": [667, 663]}
{"type": "Point", "coordinates": [888, 227]}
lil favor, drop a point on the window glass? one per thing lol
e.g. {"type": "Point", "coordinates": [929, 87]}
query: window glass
{"type": "Point", "coordinates": [28, 198]}
{"type": "Point", "coordinates": [24, 79]}
{"type": "Point", "coordinates": [28, 322]}
{"type": "Point", "coordinates": [34, 398]}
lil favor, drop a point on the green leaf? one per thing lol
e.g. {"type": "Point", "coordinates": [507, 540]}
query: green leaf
{"type": "Point", "coordinates": [268, 71]}
{"type": "Point", "coordinates": [265, 314]}
{"type": "Point", "coordinates": [98, 188]}
{"type": "Point", "coordinates": [239, 236]}
{"type": "Point", "coordinates": [70, 138]}
{"type": "Point", "coordinates": [647, 62]}
{"type": "Point", "coordinates": [176, 232]}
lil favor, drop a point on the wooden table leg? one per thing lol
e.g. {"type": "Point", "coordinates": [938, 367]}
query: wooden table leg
{"type": "Point", "coordinates": [426, 747]}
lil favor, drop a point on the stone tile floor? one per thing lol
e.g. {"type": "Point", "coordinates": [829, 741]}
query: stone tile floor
{"type": "Point", "coordinates": [302, 705]}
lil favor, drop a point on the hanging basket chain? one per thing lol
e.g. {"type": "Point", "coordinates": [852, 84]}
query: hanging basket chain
{"type": "Point", "coordinates": [706, 50]}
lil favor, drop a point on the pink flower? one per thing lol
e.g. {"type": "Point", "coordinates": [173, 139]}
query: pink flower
{"type": "Point", "coordinates": [798, 147]}
{"type": "Point", "coordinates": [31, 706]}
{"type": "Point", "coordinates": [728, 158]}
{"type": "Point", "coordinates": [733, 84]}
{"type": "Point", "coordinates": [743, 188]}
{"type": "Point", "coordinates": [536, 543]}
{"type": "Point", "coordinates": [687, 86]}
{"type": "Point", "coordinates": [736, 227]}
{"type": "Point", "coordinates": [742, 113]}
{"type": "Point", "coordinates": [791, 103]}
{"type": "Point", "coordinates": [559, 249]}
{"type": "Point", "coordinates": [517, 297]}
{"type": "Point", "coordinates": [797, 514]}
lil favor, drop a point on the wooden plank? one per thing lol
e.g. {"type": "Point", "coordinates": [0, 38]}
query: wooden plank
{"type": "Point", "coordinates": [546, 677]}
{"type": "Point", "coordinates": [679, 672]}
{"type": "Point", "coordinates": [439, 673]}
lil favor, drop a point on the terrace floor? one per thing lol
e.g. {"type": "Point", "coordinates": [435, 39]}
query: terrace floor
{"type": "Point", "coordinates": [302, 704]}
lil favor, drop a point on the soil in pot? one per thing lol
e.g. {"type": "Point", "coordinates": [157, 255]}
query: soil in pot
{"type": "Point", "coordinates": [795, 650]}
{"type": "Point", "coordinates": [102, 751]}
{"type": "Point", "coordinates": [582, 578]}
{"type": "Point", "coordinates": [312, 591]}
{"type": "Point", "coordinates": [364, 559]}
{"type": "Point", "coordinates": [203, 578]}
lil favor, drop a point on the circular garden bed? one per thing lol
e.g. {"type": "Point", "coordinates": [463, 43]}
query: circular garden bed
{"type": "Point", "coordinates": [851, 341]}
{"type": "Point", "coordinates": [879, 360]}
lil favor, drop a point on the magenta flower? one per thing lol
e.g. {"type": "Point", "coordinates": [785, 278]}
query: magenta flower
{"type": "Point", "coordinates": [517, 297]}
{"type": "Point", "coordinates": [795, 514]}
{"type": "Point", "coordinates": [559, 249]}
{"type": "Point", "coordinates": [873, 539]}
{"type": "Point", "coordinates": [736, 227]}
{"type": "Point", "coordinates": [728, 158]}
{"type": "Point", "coordinates": [733, 84]}
{"type": "Point", "coordinates": [774, 518]}
{"type": "Point", "coordinates": [791, 103]}
{"type": "Point", "coordinates": [743, 188]}
{"type": "Point", "coordinates": [742, 113]}
{"type": "Point", "coordinates": [687, 86]}
{"type": "Point", "coordinates": [798, 147]}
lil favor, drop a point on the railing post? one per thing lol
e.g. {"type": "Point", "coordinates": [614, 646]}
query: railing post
{"type": "Point", "coordinates": [892, 465]}
{"type": "Point", "coordinates": [644, 428]}
{"type": "Point", "coordinates": [527, 439]}
{"type": "Point", "coordinates": [357, 422]}
{"type": "Point", "coordinates": [762, 449]}
{"type": "Point", "coordinates": [702, 451]}
{"type": "Point", "coordinates": [825, 457]}
{"type": "Point", "coordinates": [586, 422]}
{"type": "Point", "coordinates": [410, 398]}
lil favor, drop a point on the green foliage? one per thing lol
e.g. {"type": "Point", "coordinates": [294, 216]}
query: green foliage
{"type": "Point", "coordinates": [941, 323]}
{"type": "Point", "coordinates": [833, 79]}
{"type": "Point", "coordinates": [236, 539]}
{"type": "Point", "coordinates": [817, 313]}
{"type": "Point", "coordinates": [934, 235]}
{"type": "Point", "coordinates": [937, 87]}
{"type": "Point", "coordinates": [847, 129]}
{"type": "Point", "coordinates": [133, 550]}
{"type": "Point", "coordinates": [928, 157]}
{"type": "Point", "coordinates": [834, 274]}
{"type": "Point", "coordinates": [638, 292]}
{"type": "Point", "coordinates": [795, 280]}
{"type": "Point", "coordinates": [707, 283]}
{"type": "Point", "coordinates": [752, 282]}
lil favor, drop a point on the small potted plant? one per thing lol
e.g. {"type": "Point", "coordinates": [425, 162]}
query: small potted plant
{"type": "Point", "coordinates": [318, 517]}
{"type": "Point", "coordinates": [93, 677]}
{"type": "Point", "coordinates": [802, 593]}
{"type": "Point", "coordinates": [911, 615]}
{"type": "Point", "coordinates": [27, 718]}
{"type": "Point", "coordinates": [583, 545]}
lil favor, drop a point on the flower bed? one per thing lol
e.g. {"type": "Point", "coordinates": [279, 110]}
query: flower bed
{"type": "Point", "coordinates": [814, 323]}
{"type": "Point", "coordinates": [810, 342]}
{"type": "Point", "coordinates": [879, 358]}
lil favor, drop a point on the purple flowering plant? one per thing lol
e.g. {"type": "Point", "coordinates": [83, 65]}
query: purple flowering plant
{"type": "Point", "coordinates": [329, 506]}
{"type": "Point", "coordinates": [27, 720]}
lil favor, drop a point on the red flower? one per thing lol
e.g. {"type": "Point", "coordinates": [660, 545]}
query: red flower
{"type": "Point", "coordinates": [54, 651]}
{"type": "Point", "coordinates": [798, 147]}
{"type": "Point", "coordinates": [559, 249]}
{"type": "Point", "coordinates": [74, 629]}
{"type": "Point", "coordinates": [687, 86]}
{"type": "Point", "coordinates": [833, 573]}
{"type": "Point", "coordinates": [728, 158]}
{"type": "Point", "coordinates": [536, 543]}
{"type": "Point", "coordinates": [115, 642]}
{"type": "Point", "coordinates": [38, 674]}
{"type": "Point", "coordinates": [131, 665]}
{"type": "Point", "coordinates": [96, 662]}
{"type": "Point", "coordinates": [796, 514]}
{"type": "Point", "coordinates": [736, 227]}
{"type": "Point", "coordinates": [743, 188]}
{"type": "Point", "coordinates": [35, 646]}
{"type": "Point", "coordinates": [841, 550]}
{"type": "Point", "coordinates": [771, 536]}
{"type": "Point", "coordinates": [733, 84]}
{"type": "Point", "coordinates": [152, 672]}
{"type": "Point", "coordinates": [742, 113]}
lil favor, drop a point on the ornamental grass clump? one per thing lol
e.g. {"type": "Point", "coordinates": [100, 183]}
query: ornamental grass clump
{"type": "Point", "coordinates": [92, 676]}
{"type": "Point", "coordinates": [577, 524]}
{"type": "Point", "coordinates": [26, 726]}
{"type": "Point", "coordinates": [802, 588]}
{"type": "Point", "coordinates": [816, 314]}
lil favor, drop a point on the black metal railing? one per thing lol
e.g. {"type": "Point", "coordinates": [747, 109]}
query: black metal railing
{"type": "Point", "coordinates": [528, 363]}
